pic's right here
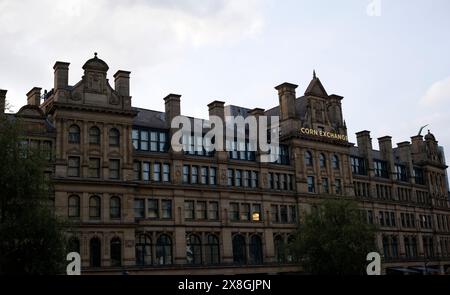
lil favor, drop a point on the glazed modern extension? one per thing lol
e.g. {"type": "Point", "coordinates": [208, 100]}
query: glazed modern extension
{"type": "Point", "coordinates": [138, 206]}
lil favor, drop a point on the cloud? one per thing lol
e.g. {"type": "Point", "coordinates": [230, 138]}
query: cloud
{"type": "Point", "coordinates": [135, 34]}
{"type": "Point", "coordinates": [438, 93]}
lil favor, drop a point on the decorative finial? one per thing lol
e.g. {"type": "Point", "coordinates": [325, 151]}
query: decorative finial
{"type": "Point", "coordinates": [314, 74]}
{"type": "Point", "coordinates": [95, 54]}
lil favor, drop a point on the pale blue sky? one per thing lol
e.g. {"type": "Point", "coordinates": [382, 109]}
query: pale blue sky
{"type": "Point", "coordinates": [393, 70]}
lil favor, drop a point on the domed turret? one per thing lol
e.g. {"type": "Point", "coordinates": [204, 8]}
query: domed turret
{"type": "Point", "coordinates": [96, 64]}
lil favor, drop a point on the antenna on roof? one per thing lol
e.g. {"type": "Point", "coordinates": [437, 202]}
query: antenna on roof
{"type": "Point", "coordinates": [314, 74]}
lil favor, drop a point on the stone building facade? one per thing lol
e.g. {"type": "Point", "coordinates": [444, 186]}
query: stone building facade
{"type": "Point", "coordinates": [138, 206]}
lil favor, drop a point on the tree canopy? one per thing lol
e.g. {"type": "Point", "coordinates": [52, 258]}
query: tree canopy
{"type": "Point", "coordinates": [335, 239]}
{"type": "Point", "coordinates": [32, 240]}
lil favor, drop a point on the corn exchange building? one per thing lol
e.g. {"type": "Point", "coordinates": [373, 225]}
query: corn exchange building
{"type": "Point", "coordinates": [138, 206]}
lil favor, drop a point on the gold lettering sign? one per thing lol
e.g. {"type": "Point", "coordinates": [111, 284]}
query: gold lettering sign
{"type": "Point", "coordinates": [310, 131]}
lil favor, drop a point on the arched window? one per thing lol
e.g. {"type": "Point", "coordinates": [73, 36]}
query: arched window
{"type": "Point", "coordinates": [74, 134]}
{"type": "Point", "coordinates": [164, 250]}
{"type": "Point", "coordinates": [239, 250]}
{"type": "Point", "coordinates": [94, 135]}
{"type": "Point", "coordinates": [212, 250]}
{"type": "Point", "coordinates": [95, 252]}
{"type": "Point", "coordinates": [322, 161]}
{"type": "Point", "coordinates": [74, 245]}
{"type": "Point", "coordinates": [116, 252]}
{"type": "Point", "coordinates": [279, 249]}
{"type": "Point", "coordinates": [114, 137]}
{"type": "Point", "coordinates": [308, 158]}
{"type": "Point", "coordinates": [114, 207]}
{"type": "Point", "coordinates": [74, 206]}
{"type": "Point", "coordinates": [94, 207]}
{"type": "Point", "coordinates": [256, 256]}
{"type": "Point", "coordinates": [143, 250]}
{"type": "Point", "coordinates": [335, 162]}
{"type": "Point", "coordinates": [193, 249]}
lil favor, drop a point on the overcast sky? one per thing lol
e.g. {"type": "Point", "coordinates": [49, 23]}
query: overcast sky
{"type": "Point", "coordinates": [393, 69]}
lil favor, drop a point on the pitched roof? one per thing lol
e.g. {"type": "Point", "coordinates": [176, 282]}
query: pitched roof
{"type": "Point", "coordinates": [315, 88]}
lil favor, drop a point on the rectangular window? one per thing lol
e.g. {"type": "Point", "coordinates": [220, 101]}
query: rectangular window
{"type": "Point", "coordinates": [254, 179]}
{"type": "Point", "coordinates": [230, 177]}
{"type": "Point", "coordinates": [204, 175]}
{"type": "Point", "coordinates": [136, 170]}
{"type": "Point", "coordinates": [381, 218]}
{"type": "Point", "coordinates": [153, 141]}
{"type": "Point", "coordinates": [311, 184]}
{"type": "Point", "coordinates": [284, 214]}
{"type": "Point", "coordinates": [245, 178]}
{"type": "Point", "coordinates": [238, 178]}
{"type": "Point", "coordinates": [276, 184]}
{"type": "Point", "coordinates": [135, 138]}
{"type": "Point", "coordinates": [245, 212]}
{"type": "Point", "coordinates": [166, 209]}
{"type": "Point", "coordinates": [47, 150]}
{"type": "Point", "coordinates": [201, 210]}
{"type": "Point", "coordinates": [274, 216]}
{"type": "Point", "coordinates": [186, 174]}
{"type": "Point", "coordinates": [293, 213]}
{"type": "Point", "coordinates": [166, 172]}
{"type": "Point", "coordinates": [256, 212]}
{"type": "Point", "coordinates": [157, 172]}
{"type": "Point", "coordinates": [94, 168]}
{"type": "Point", "coordinates": [139, 208]}
{"type": "Point", "coordinates": [234, 211]}
{"type": "Point", "coordinates": [146, 171]}
{"type": "Point", "coordinates": [114, 169]}
{"type": "Point", "coordinates": [358, 165]}
{"type": "Point", "coordinates": [194, 175]}
{"type": "Point", "coordinates": [419, 176]}
{"type": "Point", "coordinates": [212, 176]}
{"type": "Point", "coordinates": [73, 167]}
{"type": "Point", "coordinates": [400, 173]}
{"type": "Point", "coordinates": [189, 210]}
{"type": "Point", "coordinates": [144, 141]}
{"type": "Point", "coordinates": [162, 142]}
{"type": "Point", "coordinates": [152, 208]}
{"type": "Point", "coordinates": [380, 168]}
{"type": "Point", "coordinates": [392, 218]}
{"type": "Point", "coordinates": [213, 211]}
{"type": "Point", "coordinates": [337, 187]}
{"type": "Point", "coordinates": [325, 186]}
{"type": "Point", "coordinates": [282, 179]}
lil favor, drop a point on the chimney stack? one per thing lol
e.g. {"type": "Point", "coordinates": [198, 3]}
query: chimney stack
{"type": "Point", "coordinates": [387, 154]}
{"type": "Point", "coordinates": [286, 94]}
{"type": "Point", "coordinates": [172, 105]}
{"type": "Point", "coordinates": [2, 100]}
{"type": "Point", "coordinates": [61, 75]}
{"type": "Point", "coordinates": [34, 96]}
{"type": "Point", "coordinates": [217, 108]}
{"type": "Point", "coordinates": [122, 82]}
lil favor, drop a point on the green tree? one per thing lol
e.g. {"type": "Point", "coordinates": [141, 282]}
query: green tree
{"type": "Point", "coordinates": [334, 239]}
{"type": "Point", "coordinates": [32, 240]}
